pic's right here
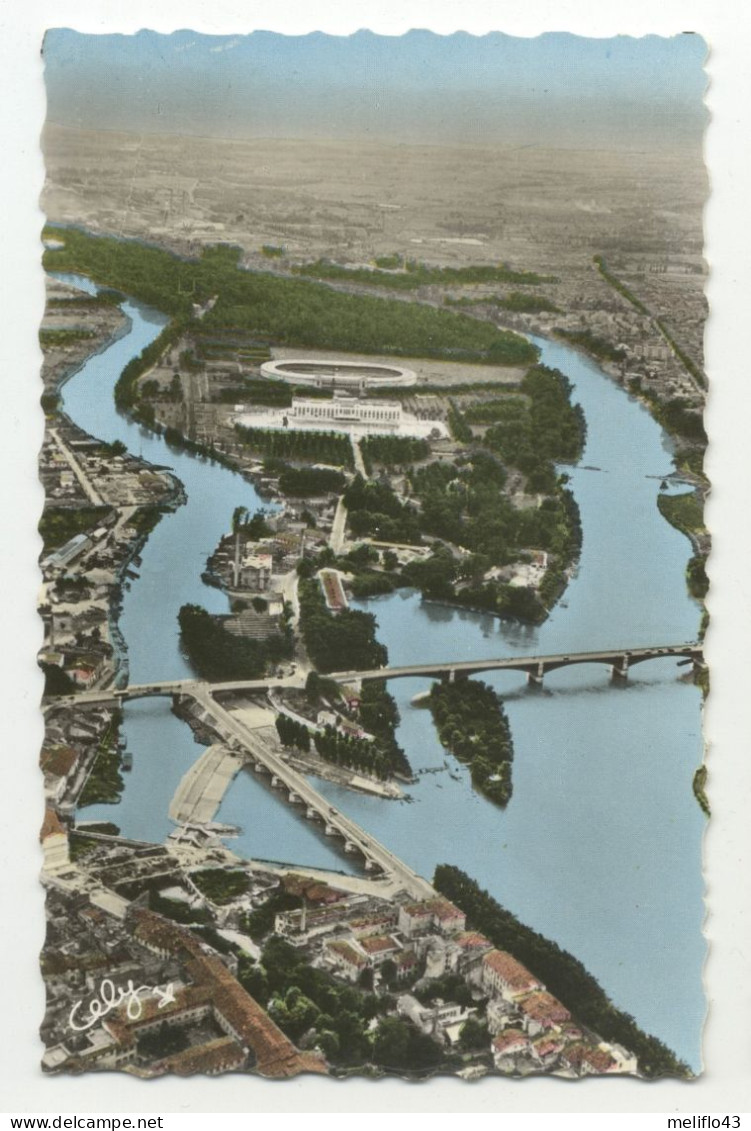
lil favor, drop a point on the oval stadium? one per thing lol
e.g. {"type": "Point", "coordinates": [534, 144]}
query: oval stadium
{"type": "Point", "coordinates": [338, 374]}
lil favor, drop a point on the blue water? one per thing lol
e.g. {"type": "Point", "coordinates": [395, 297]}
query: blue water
{"type": "Point", "coordinates": [600, 847]}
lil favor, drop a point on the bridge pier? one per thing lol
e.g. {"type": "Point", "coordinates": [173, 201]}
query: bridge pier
{"type": "Point", "coordinates": [310, 813]}
{"type": "Point", "coordinates": [535, 675]}
{"type": "Point", "coordinates": [619, 670]}
{"type": "Point", "coordinates": [329, 830]}
{"type": "Point", "coordinates": [454, 676]}
{"type": "Point", "coordinates": [294, 798]}
{"type": "Point", "coordinates": [350, 846]}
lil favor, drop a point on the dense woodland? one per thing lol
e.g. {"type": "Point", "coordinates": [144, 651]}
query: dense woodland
{"type": "Point", "coordinates": [593, 344]}
{"type": "Point", "coordinates": [356, 753]}
{"type": "Point", "coordinates": [286, 443]}
{"type": "Point", "coordinates": [464, 504]}
{"type": "Point", "coordinates": [287, 311]}
{"type": "Point", "coordinates": [473, 726]}
{"type": "Point", "coordinates": [565, 977]}
{"type": "Point", "coordinates": [308, 482]}
{"type": "Point", "coordinates": [413, 274]}
{"type": "Point", "coordinates": [374, 510]}
{"type": "Point", "coordinates": [549, 430]}
{"type": "Point", "coordinates": [217, 654]}
{"type": "Point", "coordinates": [342, 642]}
{"type": "Point", "coordinates": [393, 451]}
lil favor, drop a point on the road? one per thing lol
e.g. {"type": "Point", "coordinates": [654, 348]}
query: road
{"type": "Point", "coordinates": [535, 666]}
{"type": "Point", "coordinates": [230, 727]}
{"type": "Point", "coordinates": [86, 485]}
{"type": "Point", "coordinates": [621, 659]}
{"type": "Point", "coordinates": [356, 452]}
{"type": "Point", "coordinates": [336, 540]}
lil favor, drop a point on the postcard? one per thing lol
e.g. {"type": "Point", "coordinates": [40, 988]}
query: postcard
{"type": "Point", "coordinates": [374, 555]}
{"type": "Point", "coordinates": [374, 560]}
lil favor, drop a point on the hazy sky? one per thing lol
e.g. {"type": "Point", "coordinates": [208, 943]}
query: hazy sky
{"type": "Point", "coordinates": [555, 89]}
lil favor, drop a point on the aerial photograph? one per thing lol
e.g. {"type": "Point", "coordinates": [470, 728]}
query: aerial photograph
{"type": "Point", "coordinates": [373, 571]}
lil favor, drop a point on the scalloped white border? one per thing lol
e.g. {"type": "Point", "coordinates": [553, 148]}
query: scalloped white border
{"type": "Point", "coordinates": [726, 1085]}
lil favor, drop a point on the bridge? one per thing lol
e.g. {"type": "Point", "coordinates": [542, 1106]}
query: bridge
{"type": "Point", "coordinates": [619, 660]}
{"type": "Point", "coordinates": [383, 865]}
{"type": "Point", "coordinates": [238, 736]}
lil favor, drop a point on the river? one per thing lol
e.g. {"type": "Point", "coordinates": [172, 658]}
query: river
{"type": "Point", "coordinates": [600, 846]}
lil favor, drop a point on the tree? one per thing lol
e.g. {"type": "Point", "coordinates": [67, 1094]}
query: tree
{"type": "Point", "coordinates": [392, 1043]}
{"type": "Point", "coordinates": [388, 971]}
{"type": "Point", "coordinates": [252, 978]}
{"type": "Point", "coordinates": [365, 980]}
{"type": "Point", "coordinates": [473, 1035]}
{"type": "Point", "coordinates": [56, 681]}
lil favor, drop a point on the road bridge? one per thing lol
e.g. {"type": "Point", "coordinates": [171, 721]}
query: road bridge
{"type": "Point", "coordinates": [535, 667]}
{"type": "Point", "coordinates": [240, 737]}
{"type": "Point", "coordinates": [247, 742]}
{"type": "Point", "coordinates": [619, 660]}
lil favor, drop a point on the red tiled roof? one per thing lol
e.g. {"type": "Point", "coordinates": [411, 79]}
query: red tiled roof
{"type": "Point", "coordinates": [367, 922]}
{"type": "Point", "coordinates": [185, 998]}
{"type": "Point", "coordinates": [51, 826]}
{"type": "Point", "coordinates": [471, 940]}
{"type": "Point", "coordinates": [376, 944]}
{"type": "Point", "coordinates": [274, 1053]}
{"type": "Point", "coordinates": [58, 760]}
{"type": "Point", "coordinates": [582, 1054]}
{"type": "Point", "coordinates": [155, 930]}
{"type": "Point", "coordinates": [443, 909]}
{"type": "Point", "coordinates": [542, 1006]}
{"type": "Point", "coordinates": [510, 1040]}
{"type": "Point", "coordinates": [600, 1060]}
{"type": "Point", "coordinates": [314, 890]}
{"type": "Point", "coordinates": [440, 908]}
{"type": "Point", "coordinates": [223, 1054]}
{"type": "Point", "coordinates": [346, 952]}
{"type": "Point", "coordinates": [547, 1044]}
{"type": "Point", "coordinates": [422, 910]}
{"type": "Point", "coordinates": [511, 971]}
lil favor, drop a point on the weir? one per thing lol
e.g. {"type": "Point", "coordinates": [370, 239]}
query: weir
{"type": "Point", "coordinates": [299, 791]}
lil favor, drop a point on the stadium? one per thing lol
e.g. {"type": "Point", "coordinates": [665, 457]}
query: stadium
{"type": "Point", "coordinates": [343, 375]}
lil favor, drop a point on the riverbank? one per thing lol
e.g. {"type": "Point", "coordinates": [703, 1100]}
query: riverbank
{"type": "Point", "coordinates": [75, 326]}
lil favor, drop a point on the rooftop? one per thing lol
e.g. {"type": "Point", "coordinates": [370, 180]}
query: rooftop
{"type": "Point", "coordinates": [511, 971]}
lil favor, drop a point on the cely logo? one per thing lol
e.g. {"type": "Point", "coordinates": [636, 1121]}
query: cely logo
{"type": "Point", "coordinates": [110, 997]}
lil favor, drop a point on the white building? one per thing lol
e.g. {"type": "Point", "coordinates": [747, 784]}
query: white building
{"type": "Point", "coordinates": [255, 571]}
{"type": "Point", "coordinates": [342, 409]}
{"type": "Point", "coordinates": [356, 416]}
